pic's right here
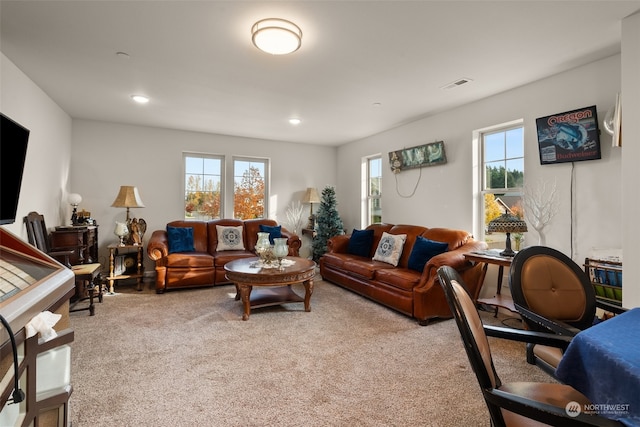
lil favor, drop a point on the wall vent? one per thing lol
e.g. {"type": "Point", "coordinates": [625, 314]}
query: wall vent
{"type": "Point", "coordinates": [456, 83]}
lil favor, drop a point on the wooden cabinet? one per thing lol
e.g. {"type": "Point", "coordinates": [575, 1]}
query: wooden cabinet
{"type": "Point", "coordinates": [606, 278]}
{"type": "Point", "coordinates": [82, 239]}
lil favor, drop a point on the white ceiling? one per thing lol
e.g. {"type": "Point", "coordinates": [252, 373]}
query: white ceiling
{"type": "Point", "coordinates": [196, 61]}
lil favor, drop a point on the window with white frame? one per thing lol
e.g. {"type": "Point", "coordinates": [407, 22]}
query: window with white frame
{"type": "Point", "coordinates": [250, 188]}
{"type": "Point", "coordinates": [373, 195]}
{"type": "Point", "coordinates": [502, 176]}
{"type": "Point", "coordinates": [203, 186]}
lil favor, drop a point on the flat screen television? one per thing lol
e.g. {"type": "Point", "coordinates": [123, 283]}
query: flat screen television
{"type": "Point", "coordinates": [13, 152]}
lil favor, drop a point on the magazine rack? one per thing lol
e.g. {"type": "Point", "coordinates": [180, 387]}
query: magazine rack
{"type": "Point", "coordinates": [606, 278]}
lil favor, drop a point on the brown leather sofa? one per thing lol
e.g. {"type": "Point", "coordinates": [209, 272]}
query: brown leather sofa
{"type": "Point", "coordinates": [205, 265]}
{"type": "Point", "coordinates": [416, 294]}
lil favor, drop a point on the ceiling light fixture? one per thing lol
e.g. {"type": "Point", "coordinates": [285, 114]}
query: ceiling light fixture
{"type": "Point", "coordinates": [140, 99]}
{"type": "Point", "coordinates": [276, 36]}
{"type": "Point", "coordinates": [294, 121]}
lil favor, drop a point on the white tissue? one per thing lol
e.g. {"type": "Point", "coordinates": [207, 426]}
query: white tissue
{"type": "Point", "coordinates": [43, 323]}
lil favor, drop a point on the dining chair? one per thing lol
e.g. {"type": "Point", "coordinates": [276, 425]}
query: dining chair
{"type": "Point", "coordinates": [552, 294]}
{"type": "Point", "coordinates": [39, 237]}
{"type": "Point", "coordinates": [518, 403]}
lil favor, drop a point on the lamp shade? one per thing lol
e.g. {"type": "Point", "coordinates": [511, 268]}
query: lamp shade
{"type": "Point", "coordinates": [128, 197]}
{"type": "Point", "coordinates": [74, 199]}
{"type": "Point", "coordinates": [311, 196]}
{"type": "Point", "coordinates": [507, 223]}
{"type": "Point", "coordinates": [276, 36]}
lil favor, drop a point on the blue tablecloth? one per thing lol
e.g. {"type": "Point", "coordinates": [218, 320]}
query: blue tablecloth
{"type": "Point", "coordinates": [603, 363]}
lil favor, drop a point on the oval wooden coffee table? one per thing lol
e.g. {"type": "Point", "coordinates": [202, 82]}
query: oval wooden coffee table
{"type": "Point", "coordinates": [274, 284]}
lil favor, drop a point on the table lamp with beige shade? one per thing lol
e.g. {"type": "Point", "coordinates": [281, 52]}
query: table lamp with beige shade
{"type": "Point", "coordinates": [311, 196]}
{"type": "Point", "coordinates": [128, 197]}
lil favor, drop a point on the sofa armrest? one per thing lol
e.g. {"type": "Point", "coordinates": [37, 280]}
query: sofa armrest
{"type": "Point", "coordinates": [338, 244]}
{"type": "Point", "coordinates": [158, 246]}
{"type": "Point", "coordinates": [454, 259]}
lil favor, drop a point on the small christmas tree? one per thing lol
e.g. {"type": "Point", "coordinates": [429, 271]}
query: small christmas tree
{"type": "Point", "coordinates": [329, 222]}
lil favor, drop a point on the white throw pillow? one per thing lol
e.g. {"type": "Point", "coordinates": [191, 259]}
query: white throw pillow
{"type": "Point", "coordinates": [230, 238]}
{"type": "Point", "coordinates": [390, 248]}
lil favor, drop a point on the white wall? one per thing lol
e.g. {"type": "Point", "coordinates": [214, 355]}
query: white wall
{"type": "Point", "coordinates": [631, 150]}
{"type": "Point", "coordinates": [108, 155]}
{"type": "Point", "coordinates": [45, 179]}
{"type": "Point", "coordinates": [444, 195]}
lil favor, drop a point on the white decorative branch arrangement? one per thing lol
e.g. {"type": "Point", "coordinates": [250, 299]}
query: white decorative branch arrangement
{"type": "Point", "coordinates": [541, 205]}
{"type": "Point", "coordinates": [294, 217]}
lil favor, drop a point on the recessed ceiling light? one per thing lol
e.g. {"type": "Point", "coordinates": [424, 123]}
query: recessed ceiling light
{"type": "Point", "coordinates": [140, 99]}
{"type": "Point", "coordinates": [123, 55]}
{"type": "Point", "coordinates": [377, 104]}
{"type": "Point", "coordinates": [294, 121]}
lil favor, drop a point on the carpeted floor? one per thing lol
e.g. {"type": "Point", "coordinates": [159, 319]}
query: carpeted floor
{"type": "Point", "coordinates": [185, 358]}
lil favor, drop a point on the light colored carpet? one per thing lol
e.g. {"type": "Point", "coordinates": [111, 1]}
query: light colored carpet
{"type": "Point", "coordinates": [185, 358]}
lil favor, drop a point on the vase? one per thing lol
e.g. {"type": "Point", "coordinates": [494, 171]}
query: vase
{"type": "Point", "coordinates": [280, 250]}
{"type": "Point", "coordinates": [263, 246]}
{"type": "Point", "coordinates": [121, 231]}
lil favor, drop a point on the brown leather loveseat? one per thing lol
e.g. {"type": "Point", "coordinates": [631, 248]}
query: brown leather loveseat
{"type": "Point", "coordinates": [204, 264]}
{"type": "Point", "coordinates": [407, 290]}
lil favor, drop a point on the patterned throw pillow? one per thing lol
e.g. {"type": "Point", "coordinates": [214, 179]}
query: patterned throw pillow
{"type": "Point", "coordinates": [230, 238]}
{"type": "Point", "coordinates": [390, 248]}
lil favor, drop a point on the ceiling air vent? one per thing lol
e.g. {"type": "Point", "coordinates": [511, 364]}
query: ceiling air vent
{"type": "Point", "coordinates": [456, 83]}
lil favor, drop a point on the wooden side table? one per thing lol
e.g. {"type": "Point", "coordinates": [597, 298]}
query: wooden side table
{"type": "Point", "coordinates": [493, 257]}
{"type": "Point", "coordinates": [309, 232]}
{"type": "Point", "coordinates": [125, 262]}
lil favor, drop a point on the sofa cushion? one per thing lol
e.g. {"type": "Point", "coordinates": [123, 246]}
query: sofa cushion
{"type": "Point", "coordinates": [390, 248]}
{"type": "Point", "coordinates": [274, 231]}
{"type": "Point", "coordinates": [401, 278]}
{"type": "Point", "coordinates": [190, 260]}
{"type": "Point", "coordinates": [230, 238]}
{"type": "Point", "coordinates": [360, 242]}
{"type": "Point", "coordinates": [335, 260]}
{"type": "Point", "coordinates": [180, 239]}
{"type": "Point", "coordinates": [223, 257]}
{"type": "Point", "coordinates": [423, 250]}
{"type": "Point", "coordinates": [365, 267]}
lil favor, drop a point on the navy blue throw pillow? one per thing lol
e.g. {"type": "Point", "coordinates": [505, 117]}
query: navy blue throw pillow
{"type": "Point", "coordinates": [423, 250]}
{"type": "Point", "coordinates": [360, 242]}
{"type": "Point", "coordinates": [274, 231]}
{"type": "Point", "coordinates": [180, 239]}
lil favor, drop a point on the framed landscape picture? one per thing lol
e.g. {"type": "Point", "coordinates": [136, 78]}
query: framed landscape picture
{"type": "Point", "coordinates": [415, 157]}
{"type": "Point", "coordinates": [569, 137]}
